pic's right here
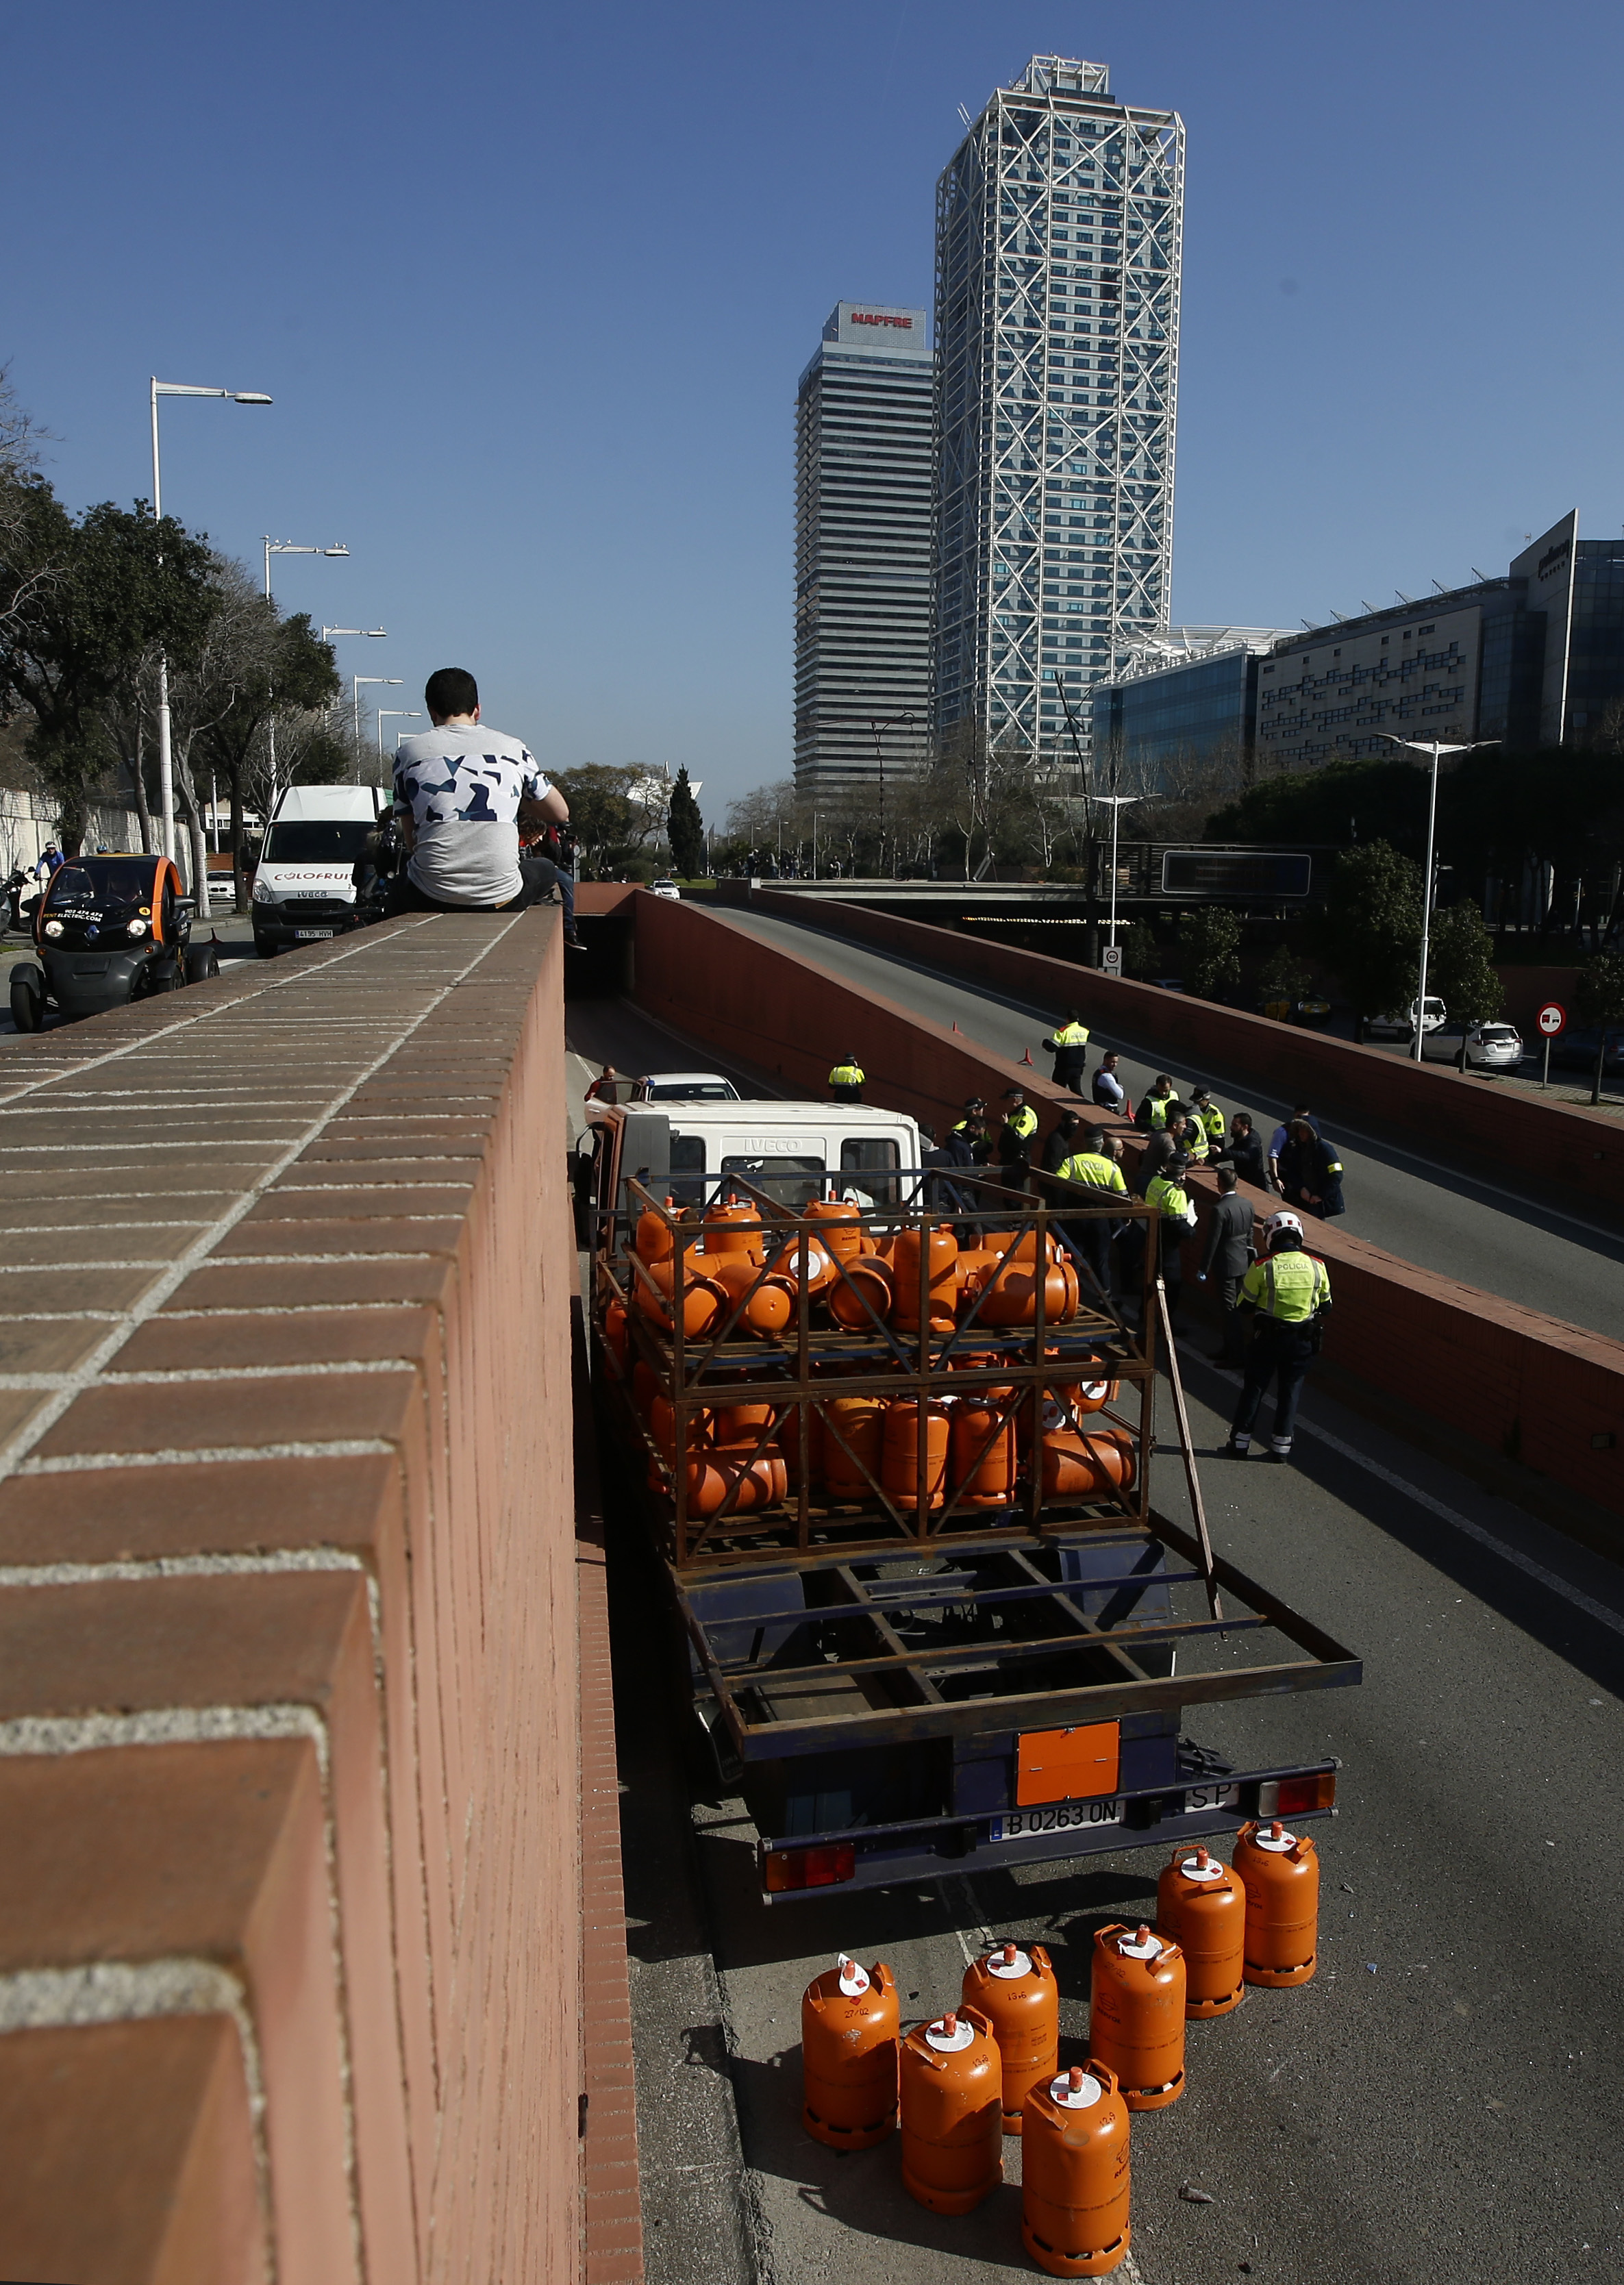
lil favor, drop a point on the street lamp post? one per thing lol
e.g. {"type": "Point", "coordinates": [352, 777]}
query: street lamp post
{"type": "Point", "coordinates": [166, 762]}
{"type": "Point", "coordinates": [356, 681]}
{"type": "Point", "coordinates": [1116, 802]}
{"type": "Point", "coordinates": [1437, 748]}
{"type": "Point", "coordinates": [879, 727]}
{"type": "Point", "coordinates": [284, 547]}
{"type": "Point", "coordinates": [393, 714]}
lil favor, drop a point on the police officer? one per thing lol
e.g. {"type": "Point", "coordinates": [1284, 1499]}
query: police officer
{"type": "Point", "coordinates": [1092, 1168]}
{"type": "Point", "coordinates": [1211, 1119]}
{"type": "Point", "coordinates": [846, 1081]}
{"type": "Point", "coordinates": [1015, 1140]}
{"type": "Point", "coordinates": [1176, 1218]}
{"type": "Point", "coordinates": [1152, 1111]}
{"type": "Point", "coordinates": [1069, 1046]}
{"type": "Point", "coordinates": [972, 1129]}
{"type": "Point", "coordinates": [1288, 1293]}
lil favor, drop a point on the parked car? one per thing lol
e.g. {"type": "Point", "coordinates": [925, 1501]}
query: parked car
{"type": "Point", "coordinates": [685, 1087]}
{"type": "Point", "coordinates": [668, 890]}
{"type": "Point", "coordinates": [1576, 1049]}
{"type": "Point", "coordinates": [109, 928]}
{"type": "Point", "coordinates": [1401, 1025]}
{"type": "Point", "coordinates": [1314, 1015]}
{"type": "Point", "coordinates": [1494, 1047]}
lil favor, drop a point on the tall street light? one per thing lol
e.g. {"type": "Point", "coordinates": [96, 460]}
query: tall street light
{"type": "Point", "coordinates": [393, 714]}
{"type": "Point", "coordinates": [284, 547]}
{"type": "Point", "coordinates": [1437, 748]}
{"type": "Point", "coordinates": [166, 764]}
{"type": "Point", "coordinates": [879, 727]}
{"type": "Point", "coordinates": [356, 681]}
{"type": "Point", "coordinates": [1116, 802]}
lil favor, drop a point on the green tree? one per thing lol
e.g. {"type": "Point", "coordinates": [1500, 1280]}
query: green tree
{"type": "Point", "coordinates": [1372, 929]}
{"type": "Point", "coordinates": [81, 602]}
{"type": "Point", "coordinates": [1461, 969]}
{"type": "Point", "coordinates": [1601, 1002]}
{"type": "Point", "coordinates": [1340, 802]}
{"type": "Point", "coordinates": [1209, 946]}
{"type": "Point", "coordinates": [1283, 975]}
{"type": "Point", "coordinates": [1139, 955]}
{"type": "Point", "coordinates": [602, 812]}
{"type": "Point", "coordinates": [282, 672]}
{"type": "Point", "coordinates": [686, 830]}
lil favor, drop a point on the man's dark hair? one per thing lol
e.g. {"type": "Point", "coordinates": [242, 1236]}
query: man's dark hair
{"type": "Point", "coordinates": [1239, 1115]}
{"type": "Point", "coordinates": [450, 690]}
{"type": "Point", "coordinates": [1226, 1179]}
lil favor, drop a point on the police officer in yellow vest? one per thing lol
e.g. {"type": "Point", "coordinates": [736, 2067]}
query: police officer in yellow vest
{"type": "Point", "coordinates": [846, 1081]}
{"type": "Point", "coordinates": [1069, 1047]}
{"type": "Point", "coordinates": [1015, 1141]}
{"type": "Point", "coordinates": [1289, 1293]}
{"type": "Point", "coordinates": [1094, 1168]}
{"type": "Point", "coordinates": [1152, 1111]}
{"type": "Point", "coordinates": [1209, 1118]}
{"type": "Point", "coordinates": [1176, 1218]}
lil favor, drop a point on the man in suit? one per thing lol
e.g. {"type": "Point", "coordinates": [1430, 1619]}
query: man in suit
{"type": "Point", "coordinates": [1228, 1255]}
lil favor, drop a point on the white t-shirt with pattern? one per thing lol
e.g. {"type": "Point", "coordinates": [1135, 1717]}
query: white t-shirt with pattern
{"type": "Point", "coordinates": [462, 786]}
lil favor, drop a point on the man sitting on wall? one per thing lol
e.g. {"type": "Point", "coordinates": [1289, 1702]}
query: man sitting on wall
{"type": "Point", "coordinates": [461, 794]}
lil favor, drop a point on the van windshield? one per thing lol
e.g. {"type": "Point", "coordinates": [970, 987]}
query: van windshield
{"type": "Point", "coordinates": [792, 1182]}
{"type": "Point", "coordinates": [315, 841]}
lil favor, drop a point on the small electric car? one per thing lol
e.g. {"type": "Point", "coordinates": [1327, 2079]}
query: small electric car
{"type": "Point", "coordinates": [108, 929]}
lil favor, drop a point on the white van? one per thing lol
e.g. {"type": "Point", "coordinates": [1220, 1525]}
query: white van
{"type": "Point", "coordinates": [794, 1151]}
{"type": "Point", "coordinates": [303, 888]}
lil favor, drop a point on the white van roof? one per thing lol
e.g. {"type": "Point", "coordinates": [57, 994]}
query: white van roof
{"type": "Point", "coordinates": [297, 802]}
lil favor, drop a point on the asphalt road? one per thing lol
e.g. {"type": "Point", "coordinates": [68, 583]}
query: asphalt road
{"type": "Point", "coordinates": [1413, 1204]}
{"type": "Point", "coordinates": [1440, 2103]}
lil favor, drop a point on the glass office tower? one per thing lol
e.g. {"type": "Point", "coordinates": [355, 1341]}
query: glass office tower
{"type": "Point", "coordinates": [1059, 236]}
{"type": "Point", "coordinates": [862, 614]}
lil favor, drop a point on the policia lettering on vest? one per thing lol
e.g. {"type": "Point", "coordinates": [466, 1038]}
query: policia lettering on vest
{"type": "Point", "coordinates": [1288, 1295]}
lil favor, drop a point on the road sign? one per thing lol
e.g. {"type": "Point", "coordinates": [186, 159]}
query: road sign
{"type": "Point", "coordinates": [1110, 960]}
{"type": "Point", "coordinates": [1552, 1018]}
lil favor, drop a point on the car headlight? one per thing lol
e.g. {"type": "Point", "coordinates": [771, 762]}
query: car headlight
{"type": "Point", "coordinates": [137, 928]}
{"type": "Point", "coordinates": [53, 928]}
{"type": "Point", "coordinates": [261, 894]}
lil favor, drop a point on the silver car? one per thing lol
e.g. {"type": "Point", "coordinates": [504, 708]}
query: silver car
{"type": "Point", "coordinates": [1492, 1047]}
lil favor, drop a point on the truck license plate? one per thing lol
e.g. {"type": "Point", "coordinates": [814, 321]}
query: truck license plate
{"type": "Point", "coordinates": [1055, 1817]}
{"type": "Point", "coordinates": [303, 933]}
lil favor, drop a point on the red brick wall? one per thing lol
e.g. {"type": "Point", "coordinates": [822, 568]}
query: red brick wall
{"type": "Point", "coordinates": [1555, 1145]}
{"type": "Point", "coordinates": [290, 1918]}
{"type": "Point", "coordinates": [1512, 1378]}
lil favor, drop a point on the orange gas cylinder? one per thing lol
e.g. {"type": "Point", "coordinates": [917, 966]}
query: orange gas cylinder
{"type": "Point", "coordinates": [1136, 2014]}
{"type": "Point", "coordinates": [661, 1428]}
{"type": "Point", "coordinates": [615, 1337]}
{"type": "Point", "coordinates": [735, 1230]}
{"type": "Point", "coordinates": [771, 1304]}
{"type": "Point", "coordinates": [974, 1263]}
{"type": "Point", "coordinates": [899, 1457]}
{"type": "Point", "coordinates": [1074, 2173]}
{"type": "Point", "coordinates": [1282, 1873]}
{"type": "Point", "coordinates": [728, 1469]}
{"type": "Point", "coordinates": [1076, 1467]}
{"type": "Point", "coordinates": [981, 1449]}
{"type": "Point", "coordinates": [866, 1278]}
{"type": "Point", "coordinates": [702, 1296]}
{"type": "Point", "coordinates": [849, 2030]}
{"type": "Point", "coordinates": [951, 2103]}
{"type": "Point", "coordinates": [1009, 1293]}
{"type": "Point", "coordinates": [840, 1226]}
{"type": "Point", "coordinates": [940, 1268]}
{"type": "Point", "coordinates": [655, 1239]}
{"type": "Point", "coordinates": [1087, 1395]}
{"type": "Point", "coordinates": [1017, 1991]}
{"type": "Point", "coordinates": [806, 1257]}
{"type": "Point", "coordinates": [1202, 1905]}
{"type": "Point", "coordinates": [859, 1423]}
{"type": "Point", "coordinates": [742, 1424]}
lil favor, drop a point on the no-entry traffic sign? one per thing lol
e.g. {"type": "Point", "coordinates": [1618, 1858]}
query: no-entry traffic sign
{"type": "Point", "coordinates": [1552, 1018]}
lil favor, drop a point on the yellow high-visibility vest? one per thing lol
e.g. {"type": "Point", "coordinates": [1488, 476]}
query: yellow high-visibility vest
{"type": "Point", "coordinates": [1094, 1168]}
{"type": "Point", "coordinates": [1290, 1287]}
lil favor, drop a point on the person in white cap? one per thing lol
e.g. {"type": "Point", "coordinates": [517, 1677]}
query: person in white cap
{"type": "Point", "coordinates": [1288, 1295]}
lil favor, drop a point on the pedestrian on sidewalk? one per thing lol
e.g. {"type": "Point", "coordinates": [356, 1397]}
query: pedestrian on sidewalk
{"type": "Point", "coordinates": [1228, 1255]}
{"type": "Point", "coordinates": [1288, 1295]}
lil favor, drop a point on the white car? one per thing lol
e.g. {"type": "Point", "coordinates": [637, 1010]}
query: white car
{"type": "Point", "coordinates": [1394, 1026]}
{"type": "Point", "coordinates": [667, 889]}
{"type": "Point", "coordinates": [1494, 1047]}
{"type": "Point", "coordinates": [685, 1087]}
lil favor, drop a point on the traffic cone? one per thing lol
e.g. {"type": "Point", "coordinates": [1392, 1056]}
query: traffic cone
{"type": "Point", "coordinates": [1026, 1058]}
{"type": "Point", "coordinates": [956, 1029]}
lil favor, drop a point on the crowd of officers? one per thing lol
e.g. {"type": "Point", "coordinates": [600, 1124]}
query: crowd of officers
{"type": "Point", "coordinates": [1274, 1293]}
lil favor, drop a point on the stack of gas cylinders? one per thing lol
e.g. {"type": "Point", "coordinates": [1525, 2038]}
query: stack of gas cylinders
{"type": "Point", "coordinates": [991, 2067]}
{"type": "Point", "coordinates": [968, 1450]}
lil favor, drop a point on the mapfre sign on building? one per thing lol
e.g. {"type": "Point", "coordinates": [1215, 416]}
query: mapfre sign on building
{"type": "Point", "coordinates": [873, 327]}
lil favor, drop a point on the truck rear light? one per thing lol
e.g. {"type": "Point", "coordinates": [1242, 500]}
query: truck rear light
{"type": "Point", "coordinates": [808, 1868]}
{"type": "Point", "coordinates": [1295, 1796]}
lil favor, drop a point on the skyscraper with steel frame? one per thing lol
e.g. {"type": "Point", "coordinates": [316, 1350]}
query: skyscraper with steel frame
{"type": "Point", "coordinates": [1059, 236]}
{"type": "Point", "coordinates": [862, 608]}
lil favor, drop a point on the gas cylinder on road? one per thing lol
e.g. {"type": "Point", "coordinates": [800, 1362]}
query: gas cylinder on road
{"type": "Point", "coordinates": [1281, 1872]}
{"type": "Point", "coordinates": [951, 2107]}
{"type": "Point", "coordinates": [1136, 2014]}
{"type": "Point", "coordinates": [1202, 1905]}
{"type": "Point", "coordinates": [1074, 2173]}
{"type": "Point", "coordinates": [848, 2027]}
{"type": "Point", "coordinates": [1017, 1991]}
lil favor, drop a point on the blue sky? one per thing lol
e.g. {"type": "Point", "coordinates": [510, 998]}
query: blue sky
{"type": "Point", "coordinates": [532, 286]}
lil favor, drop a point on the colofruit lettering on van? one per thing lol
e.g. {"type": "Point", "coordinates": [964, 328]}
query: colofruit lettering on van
{"type": "Point", "coordinates": [304, 884]}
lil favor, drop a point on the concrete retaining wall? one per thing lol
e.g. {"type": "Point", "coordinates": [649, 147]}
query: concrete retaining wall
{"type": "Point", "coordinates": [1546, 1393]}
{"type": "Point", "coordinates": [291, 1965]}
{"type": "Point", "coordinates": [1547, 1147]}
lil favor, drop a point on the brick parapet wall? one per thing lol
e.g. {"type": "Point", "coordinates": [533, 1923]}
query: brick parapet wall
{"type": "Point", "coordinates": [290, 1936]}
{"type": "Point", "coordinates": [1549, 1147]}
{"type": "Point", "coordinates": [1548, 1394]}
